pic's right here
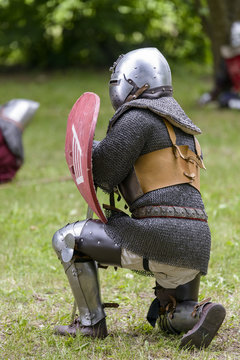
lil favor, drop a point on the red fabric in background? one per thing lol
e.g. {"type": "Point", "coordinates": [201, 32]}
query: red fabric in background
{"type": "Point", "coordinates": [233, 66]}
{"type": "Point", "coordinates": [8, 162]}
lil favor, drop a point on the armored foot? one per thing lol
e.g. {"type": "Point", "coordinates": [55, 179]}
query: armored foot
{"type": "Point", "coordinates": [206, 328]}
{"type": "Point", "coordinates": [98, 330]}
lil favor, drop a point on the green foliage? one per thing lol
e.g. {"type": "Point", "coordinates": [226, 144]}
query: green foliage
{"type": "Point", "coordinates": [58, 33]}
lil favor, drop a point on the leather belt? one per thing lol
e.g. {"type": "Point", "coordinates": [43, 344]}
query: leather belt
{"type": "Point", "coordinates": [170, 211]}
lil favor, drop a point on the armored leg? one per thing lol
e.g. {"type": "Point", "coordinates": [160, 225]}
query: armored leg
{"type": "Point", "coordinates": [86, 240]}
{"type": "Point", "coordinates": [177, 317]}
{"type": "Point", "coordinates": [83, 279]}
{"type": "Point", "coordinates": [78, 246]}
{"type": "Point", "coordinates": [179, 311]}
{"type": "Point", "coordinates": [174, 301]}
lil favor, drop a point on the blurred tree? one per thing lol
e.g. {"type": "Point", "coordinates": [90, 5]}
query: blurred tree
{"type": "Point", "coordinates": [22, 32]}
{"type": "Point", "coordinates": [97, 31]}
{"type": "Point", "coordinates": [58, 33]}
{"type": "Point", "coordinates": [217, 17]}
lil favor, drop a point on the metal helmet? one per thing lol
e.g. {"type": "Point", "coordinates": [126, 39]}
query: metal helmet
{"type": "Point", "coordinates": [235, 34]}
{"type": "Point", "coordinates": [19, 111]}
{"type": "Point", "coordinates": [139, 71]}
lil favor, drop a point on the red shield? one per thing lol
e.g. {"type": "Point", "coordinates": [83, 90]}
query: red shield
{"type": "Point", "coordinates": [78, 147]}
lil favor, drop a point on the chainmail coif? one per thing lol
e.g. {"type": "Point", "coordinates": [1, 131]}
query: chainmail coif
{"type": "Point", "coordinates": [166, 107]}
{"type": "Point", "coordinates": [177, 242]}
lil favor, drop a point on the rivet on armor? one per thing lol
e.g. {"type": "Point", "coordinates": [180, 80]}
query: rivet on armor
{"type": "Point", "coordinates": [99, 242]}
{"type": "Point", "coordinates": [74, 272]}
{"type": "Point", "coordinates": [81, 240]}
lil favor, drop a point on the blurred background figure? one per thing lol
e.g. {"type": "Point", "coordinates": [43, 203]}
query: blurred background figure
{"type": "Point", "coordinates": [226, 89]}
{"type": "Point", "coordinates": [14, 116]}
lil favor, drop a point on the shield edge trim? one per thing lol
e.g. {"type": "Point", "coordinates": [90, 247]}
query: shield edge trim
{"type": "Point", "coordinates": [89, 157]}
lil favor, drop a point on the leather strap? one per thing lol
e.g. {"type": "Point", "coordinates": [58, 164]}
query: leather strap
{"type": "Point", "coordinates": [137, 93]}
{"type": "Point", "coordinates": [161, 168]}
{"type": "Point", "coordinates": [173, 139]}
{"type": "Point", "coordinates": [167, 167]}
{"type": "Point", "coordinates": [170, 211]}
{"type": "Point", "coordinates": [171, 132]}
{"type": "Point", "coordinates": [146, 264]}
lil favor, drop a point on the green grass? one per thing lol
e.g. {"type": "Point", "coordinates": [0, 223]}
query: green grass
{"type": "Point", "coordinates": [34, 292]}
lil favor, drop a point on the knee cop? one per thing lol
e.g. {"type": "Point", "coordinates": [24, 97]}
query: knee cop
{"type": "Point", "coordinates": [86, 240]}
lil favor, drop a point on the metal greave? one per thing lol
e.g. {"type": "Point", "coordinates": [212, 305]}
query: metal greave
{"type": "Point", "coordinates": [83, 279]}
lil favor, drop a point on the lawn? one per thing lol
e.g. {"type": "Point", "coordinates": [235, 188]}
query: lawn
{"type": "Point", "coordinates": [34, 292]}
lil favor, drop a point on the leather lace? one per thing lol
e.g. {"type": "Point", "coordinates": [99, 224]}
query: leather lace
{"type": "Point", "coordinates": [199, 305]}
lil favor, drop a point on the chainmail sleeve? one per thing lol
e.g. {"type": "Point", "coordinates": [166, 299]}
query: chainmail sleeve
{"type": "Point", "coordinates": [116, 154]}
